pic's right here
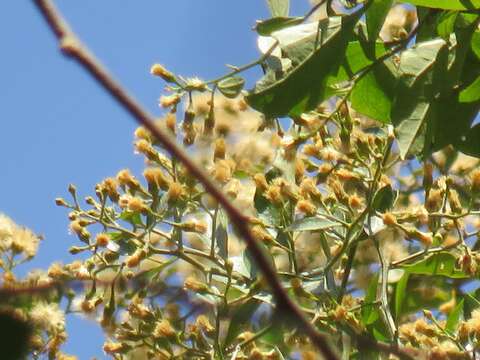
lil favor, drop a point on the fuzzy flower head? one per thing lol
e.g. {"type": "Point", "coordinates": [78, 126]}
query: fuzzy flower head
{"type": "Point", "coordinates": [48, 316]}
{"type": "Point", "coordinates": [17, 238]}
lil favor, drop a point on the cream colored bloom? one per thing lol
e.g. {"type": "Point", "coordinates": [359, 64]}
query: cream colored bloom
{"type": "Point", "coordinates": [48, 316]}
{"type": "Point", "coordinates": [26, 241]}
{"type": "Point", "coordinates": [7, 227]}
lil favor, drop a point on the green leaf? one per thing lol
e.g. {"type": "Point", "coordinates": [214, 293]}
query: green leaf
{"type": "Point", "coordinates": [464, 36]}
{"type": "Point", "coordinates": [401, 294]}
{"type": "Point", "coordinates": [442, 264]}
{"type": "Point", "coordinates": [470, 143]}
{"type": "Point", "coordinates": [373, 94]}
{"type": "Point", "coordinates": [411, 111]}
{"type": "Point", "coordinates": [471, 93]}
{"type": "Point", "coordinates": [447, 4]}
{"type": "Point", "coordinates": [305, 86]}
{"type": "Point", "coordinates": [298, 42]}
{"type": "Point", "coordinates": [242, 265]}
{"type": "Point", "coordinates": [267, 27]}
{"type": "Point", "coordinates": [267, 212]}
{"type": "Point", "coordinates": [446, 24]}
{"type": "Point", "coordinates": [410, 129]}
{"type": "Point", "coordinates": [475, 43]}
{"type": "Point", "coordinates": [470, 303]}
{"type": "Point", "coordinates": [453, 122]}
{"type": "Point", "coordinates": [454, 318]}
{"type": "Point", "coordinates": [133, 218]}
{"type": "Point", "coordinates": [384, 199]}
{"type": "Point", "coordinates": [279, 7]}
{"type": "Point", "coordinates": [311, 224]}
{"type": "Point", "coordinates": [231, 87]}
{"type": "Point", "coordinates": [221, 233]}
{"type": "Point", "coordinates": [376, 13]}
{"type": "Point", "coordinates": [370, 312]}
{"type": "Point", "coordinates": [240, 319]}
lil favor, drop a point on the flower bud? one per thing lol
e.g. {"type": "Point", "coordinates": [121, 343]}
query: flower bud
{"type": "Point", "coordinates": [175, 191]}
{"type": "Point", "coordinates": [193, 284]}
{"type": "Point", "coordinates": [60, 202]}
{"type": "Point", "coordinates": [159, 70]}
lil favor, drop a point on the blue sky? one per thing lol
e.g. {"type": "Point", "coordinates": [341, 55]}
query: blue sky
{"type": "Point", "coordinates": [57, 125]}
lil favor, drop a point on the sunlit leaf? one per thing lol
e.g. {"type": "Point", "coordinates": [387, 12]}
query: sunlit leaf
{"type": "Point", "coordinates": [267, 27]}
{"type": "Point", "coordinates": [311, 224]}
{"type": "Point", "coordinates": [471, 92]}
{"type": "Point", "coordinates": [384, 199]}
{"type": "Point", "coordinates": [442, 263]}
{"type": "Point", "coordinates": [373, 93]}
{"type": "Point", "coordinates": [279, 7]}
{"type": "Point", "coordinates": [240, 319]}
{"type": "Point", "coordinates": [231, 87]}
{"type": "Point", "coordinates": [375, 15]}
{"type": "Point", "coordinates": [454, 317]}
{"type": "Point", "coordinates": [411, 111]}
{"type": "Point", "coordinates": [303, 87]}
{"type": "Point", "coordinates": [400, 294]}
{"type": "Point", "coordinates": [447, 4]}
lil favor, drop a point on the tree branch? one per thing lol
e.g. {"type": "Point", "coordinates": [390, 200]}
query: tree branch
{"type": "Point", "coordinates": [72, 47]}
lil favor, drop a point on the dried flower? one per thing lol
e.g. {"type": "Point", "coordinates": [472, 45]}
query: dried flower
{"type": "Point", "coordinates": [169, 101]}
{"type": "Point", "coordinates": [434, 200]}
{"type": "Point", "coordinates": [259, 234]}
{"type": "Point", "coordinates": [222, 171]}
{"type": "Point", "coordinates": [102, 239]}
{"type": "Point", "coordinates": [306, 207]}
{"type": "Point", "coordinates": [136, 204]}
{"type": "Point", "coordinates": [260, 182]}
{"type": "Point", "coordinates": [389, 219]}
{"type": "Point", "coordinates": [193, 284]}
{"type": "Point", "coordinates": [194, 226]}
{"type": "Point", "coordinates": [220, 149]}
{"type": "Point", "coordinates": [175, 191]}
{"type": "Point", "coordinates": [204, 324]}
{"type": "Point", "coordinates": [113, 347]}
{"type": "Point", "coordinates": [475, 180]}
{"type": "Point", "coordinates": [125, 178]}
{"type": "Point", "coordinates": [156, 177]}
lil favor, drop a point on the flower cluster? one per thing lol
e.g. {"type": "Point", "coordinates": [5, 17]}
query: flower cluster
{"type": "Point", "coordinates": [167, 274]}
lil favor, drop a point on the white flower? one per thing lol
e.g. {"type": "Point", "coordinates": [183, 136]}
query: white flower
{"type": "Point", "coordinates": [48, 316]}
{"type": "Point", "coordinates": [7, 227]}
{"type": "Point", "coordinates": [26, 240]}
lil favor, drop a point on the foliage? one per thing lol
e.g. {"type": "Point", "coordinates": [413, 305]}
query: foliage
{"type": "Point", "coordinates": [354, 162]}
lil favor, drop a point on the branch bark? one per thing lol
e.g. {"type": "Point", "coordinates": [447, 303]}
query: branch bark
{"type": "Point", "coordinates": [72, 47]}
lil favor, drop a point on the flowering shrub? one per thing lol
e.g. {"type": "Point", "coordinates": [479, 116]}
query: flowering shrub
{"type": "Point", "coordinates": [364, 208]}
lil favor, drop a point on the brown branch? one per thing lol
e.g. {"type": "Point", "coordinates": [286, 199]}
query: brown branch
{"type": "Point", "coordinates": [72, 47]}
